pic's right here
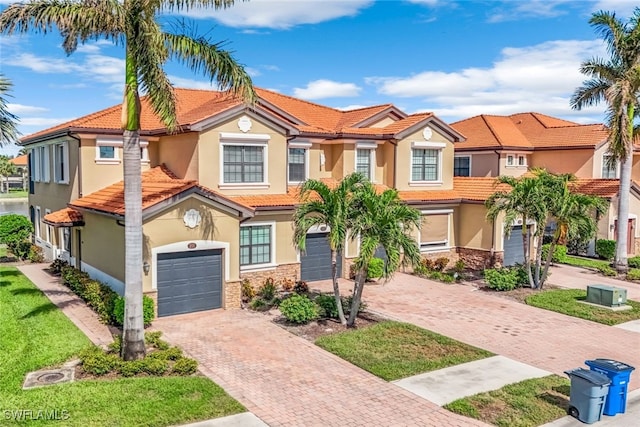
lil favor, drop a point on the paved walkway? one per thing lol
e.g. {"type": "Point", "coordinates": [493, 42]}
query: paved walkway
{"type": "Point", "coordinates": [567, 276]}
{"type": "Point", "coordinates": [288, 381]}
{"type": "Point", "coordinates": [541, 338]}
{"type": "Point", "coordinates": [72, 306]}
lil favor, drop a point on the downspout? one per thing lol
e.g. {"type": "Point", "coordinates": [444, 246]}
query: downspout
{"type": "Point", "coordinates": [498, 154]}
{"type": "Point", "coordinates": [395, 161]}
{"type": "Point", "coordinates": [70, 135]}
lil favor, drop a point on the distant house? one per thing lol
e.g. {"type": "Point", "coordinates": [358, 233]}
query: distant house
{"type": "Point", "coordinates": [20, 179]}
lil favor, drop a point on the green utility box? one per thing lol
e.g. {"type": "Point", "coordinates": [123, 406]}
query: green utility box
{"type": "Point", "coordinates": [606, 295]}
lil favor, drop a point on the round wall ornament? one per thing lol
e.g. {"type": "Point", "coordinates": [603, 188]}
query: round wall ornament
{"type": "Point", "coordinates": [192, 218]}
{"type": "Point", "coordinates": [427, 133]}
{"type": "Point", "coordinates": [244, 124]}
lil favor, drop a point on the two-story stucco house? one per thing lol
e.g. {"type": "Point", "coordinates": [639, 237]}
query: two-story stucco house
{"type": "Point", "coordinates": [219, 195]}
{"type": "Point", "coordinates": [510, 145]}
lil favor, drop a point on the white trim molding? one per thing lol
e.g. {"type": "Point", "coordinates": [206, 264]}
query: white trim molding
{"type": "Point", "coordinates": [245, 137]}
{"type": "Point", "coordinates": [95, 274]}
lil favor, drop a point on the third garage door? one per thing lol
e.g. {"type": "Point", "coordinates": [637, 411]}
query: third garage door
{"type": "Point", "coordinates": [513, 253]}
{"type": "Point", "coordinates": [315, 263]}
{"type": "Point", "coordinates": [189, 281]}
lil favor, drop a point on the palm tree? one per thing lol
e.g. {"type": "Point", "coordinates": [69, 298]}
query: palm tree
{"type": "Point", "coordinates": [381, 220]}
{"type": "Point", "coordinates": [6, 170]}
{"type": "Point", "coordinates": [134, 24]}
{"type": "Point", "coordinates": [526, 201]}
{"type": "Point", "coordinates": [574, 214]}
{"type": "Point", "coordinates": [616, 81]}
{"type": "Point", "coordinates": [323, 205]}
{"type": "Point", "coordinates": [8, 130]}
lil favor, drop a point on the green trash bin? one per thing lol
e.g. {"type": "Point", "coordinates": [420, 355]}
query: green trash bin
{"type": "Point", "coordinates": [589, 391]}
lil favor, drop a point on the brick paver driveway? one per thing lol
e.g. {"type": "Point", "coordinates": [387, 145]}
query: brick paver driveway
{"type": "Point", "coordinates": [540, 338]}
{"type": "Point", "coordinates": [287, 381]}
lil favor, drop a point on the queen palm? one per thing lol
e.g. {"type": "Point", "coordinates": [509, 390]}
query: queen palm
{"type": "Point", "coordinates": [381, 220]}
{"type": "Point", "coordinates": [8, 131]}
{"type": "Point", "coordinates": [134, 25]}
{"type": "Point", "coordinates": [616, 81]}
{"type": "Point", "coordinates": [322, 205]}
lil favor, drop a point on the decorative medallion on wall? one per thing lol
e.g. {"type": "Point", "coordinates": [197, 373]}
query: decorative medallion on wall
{"type": "Point", "coordinates": [192, 218]}
{"type": "Point", "coordinates": [244, 124]}
{"type": "Point", "coordinates": [427, 133]}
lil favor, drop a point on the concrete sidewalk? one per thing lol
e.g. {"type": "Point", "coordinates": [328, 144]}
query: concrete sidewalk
{"type": "Point", "coordinates": [567, 276]}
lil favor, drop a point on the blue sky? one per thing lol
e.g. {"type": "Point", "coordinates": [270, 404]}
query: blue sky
{"type": "Point", "coordinates": [455, 58]}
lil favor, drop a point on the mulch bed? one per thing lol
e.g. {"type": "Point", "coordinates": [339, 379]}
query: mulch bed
{"type": "Point", "coordinates": [321, 327]}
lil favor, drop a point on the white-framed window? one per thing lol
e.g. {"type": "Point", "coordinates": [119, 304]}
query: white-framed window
{"type": "Point", "coordinates": [61, 163]}
{"type": "Point", "coordinates": [426, 163]}
{"type": "Point", "coordinates": [511, 160]}
{"type": "Point", "coordinates": [108, 151]}
{"type": "Point", "coordinates": [36, 221]}
{"type": "Point", "coordinates": [47, 228]}
{"type": "Point", "coordinates": [243, 160]}
{"type": "Point", "coordinates": [434, 230]}
{"type": "Point", "coordinates": [366, 159]}
{"type": "Point", "coordinates": [298, 162]}
{"type": "Point", "coordinates": [462, 166]}
{"type": "Point", "coordinates": [144, 152]}
{"type": "Point", "coordinates": [522, 160]}
{"type": "Point", "coordinates": [65, 239]}
{"type": "Point", "coordinates": [41, 163]}
{"type": "Point", "coordinates": [609, 168]}
{"type": "Point", "coordinates": [257, 245]}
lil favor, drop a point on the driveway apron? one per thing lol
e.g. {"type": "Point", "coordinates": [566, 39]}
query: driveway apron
{"type": "Point", "coordinates": [288, 381]}
{"type": "Point", "coordinates": [541, 338]}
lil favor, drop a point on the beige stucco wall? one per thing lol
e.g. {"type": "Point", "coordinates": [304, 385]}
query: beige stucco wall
{"type": "Point", "coordinates": [578, 162]}
{"type": "Point", "coordinates": [474, 231]}
{"type": "Point", "coordinates": [217, 224]}
{"type": "Point", "coordinates": [514, 170]}
{"type": "Point", "coordinates": [403, 163]}
{"type": "Point", "coordinates": [103, 244]}
{"type": "Point", "coordinates": [180, 154]}
{"type": "Point", "coordinates": [635, 171]}
{"type": "Point", "coordinates": [97, 176]}
{"type": "Point", "coordinates": [382, 123]}
{"type": "Point", "coordinates": [209, 153]}
{"type": "Point", "coordinates": [482, 164]}
{"type": "Point", "coordinates": [317, 170]}
{"type": "Point", "coordinates": [336, 161]}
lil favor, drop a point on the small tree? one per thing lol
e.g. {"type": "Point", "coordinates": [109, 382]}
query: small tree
{"type": "Point", "coordinates": [6, 170]}
{"type": "Point", "coordinates": [381, 220]}
{"type": "Point", "coordinates": [14, 229]}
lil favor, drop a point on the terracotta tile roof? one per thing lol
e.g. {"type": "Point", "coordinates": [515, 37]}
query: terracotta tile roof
{"type": "Point", "coordinates": [20, 160]}
{"type": "Point", "coordinates": [527, 130]}
{"type": "Point", "coordinates": [267, 200]}
{"type": "Point", "coordinates": [66, 217]}
{"type": "Point", "coordinates": [477, 188]}
{"type": "Point", "coordinates": [429, 195]}
{"type": "Point", "coordinates": [601, 187]}
{"type": "Point", "coordinates": [351, 118]}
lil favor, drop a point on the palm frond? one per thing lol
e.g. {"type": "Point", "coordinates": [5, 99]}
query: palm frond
{"type": "Point", "coordinates": [8, 130]}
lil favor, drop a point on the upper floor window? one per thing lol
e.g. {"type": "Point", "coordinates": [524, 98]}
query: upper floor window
{"type": "Point", "coordinates": [243, 164]}
{"type": "Point", "coordinates": [609, 167]}
{"type": "Point", "coordinates": [297, 164]}
{"type": "Point", "coordinates": [41, 163]}
{"type": "Point", "coordinates": [256, 245]}
{"type": "Point", "coordinates": [425, 164]}
{"type": "Point", "coordinates": [522, 161]}
{"type": "Point", "coordinates": [61, 163]}
{"type": "Point", "coordinates": [108, 151]}
{"type": "Point", "coordinates": [366, 159]}
{"type": "Point", "coordinates": [511, 160]}
{"type": "Point", "coordinates": [462, 166]}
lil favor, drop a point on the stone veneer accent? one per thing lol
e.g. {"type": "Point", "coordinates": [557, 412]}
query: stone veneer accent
{"type": "Point", "coordinates": [479, 259]}
{"type": "Point", "coordinates": [232, 295]}
{"type": "Point", "coordinates": [154, 296]}
{"type": "Point", "coordinates": [281, 272]}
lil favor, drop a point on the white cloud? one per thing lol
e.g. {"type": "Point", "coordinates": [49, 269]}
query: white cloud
{"type": "Point", "coordinates": [68, 85]}
{"type": "Point", "coordinates": [622, 8]}
{"type": "Point", "coordinates": [281, 14]}
{"type": "Point", "coordinates": [42, 121]}
{"type": "Point", "coordinates": [426, 2]}
{"type": "Point", "coordinates": [517, 10]}
{"type": "Point", "coordinates": [319, 89]}
{"type": "Point", "coordinates": [20, 109]}
{"type": "Point", "coordinates": [352, 107]}
{"type": "Point", "coordinates": [41, 64]}
{"type": "Point", "coordinates": [106, 69]}
{"type": "Point", "coordinates": [253, 72]}
{"type": "Point", "coordinates": [535, 78]}
{"type": "Point", "coordinates": [182, 82]}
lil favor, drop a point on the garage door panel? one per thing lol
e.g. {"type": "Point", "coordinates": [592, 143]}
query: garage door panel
{"type": "Point", "coordinates": [315, 263]}
{"type": "Point", "coordinates": [513, 247]}
{"type": "Point", "coordinates": [189, 281]}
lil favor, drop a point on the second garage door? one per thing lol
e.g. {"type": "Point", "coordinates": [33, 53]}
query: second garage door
{"type": "Point", "coordinates": [513, 253]}
{"type": "Point", "coordinates": [189, 281]}
{"type": "Point", "coordinates": [315, 263]}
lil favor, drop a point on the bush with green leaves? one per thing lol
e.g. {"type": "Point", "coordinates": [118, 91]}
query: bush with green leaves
{"type": "Point", "coordinates": [153, 366]}
{"type": "Point", "coordinates": [301, 287]}
{"type": "Point", "coordinates": [606, 249]}
{"type": "Point", "coordinates": [633, 274]}
{"type": "Point", "coordinates": [299, 309]}
{"type": "Point", "coordinates": [171, 353]}
{"type": "Point", "coordinates": [185, 366]}
{"type": "Point", "coordinates": [14, 230]}
{"type": "Point", "coordinates": [459, 267]}
{"type": "Point", "coordinates": [327, 305]}
{"type": "Point", "coordinates": [440, 263]}
{"type": "Point", "coordinates": [503, 279]}
{"type": "Point", "coordinates": [154, 339]}
{"type": "Point", "coordinates": [607, 271]}
{"type": "Point", "coordinates": [268, 290]}
{"type": "Point", "coordinates": [131, 368]}
{"type": "Point", "coordinates": [375, 269]}
{"type": "Point", "coordinates": [559, 253]}
{"type": "Point", "coordinates": [95, 361]}
{"type": "Point", "coordinates": [634, 262]}
{"type": "Point", "coordinates": [148, 313]}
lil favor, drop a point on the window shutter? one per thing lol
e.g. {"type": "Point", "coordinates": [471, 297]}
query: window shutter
{"type": "Point", "coordinates": [434, 228]}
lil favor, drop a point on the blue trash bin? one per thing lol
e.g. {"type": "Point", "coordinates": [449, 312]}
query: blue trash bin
{"type": "Point", "coordinates": [619, 374]}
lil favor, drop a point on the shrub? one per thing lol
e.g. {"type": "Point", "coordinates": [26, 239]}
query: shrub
{"type": "Point", "coordinates": [606, 249]}
{"type": "Point", "coordinates": [148, 313]}
{"type": "Point", "coordinates": [154, 366]}
{"type": "Point", "coordinates": [348, 301]}
{"type": "Point", "coordinates": [301, 287]}
{"type": "Point", "coordinates": [35, 254]}
{"type": "Point", "coordinates": [14, 228]}
{"type": "Point", "coordinates": [459, 267]}
{"type": "Point", "coordinates": [375, 269]}
{"type": "Point", "coordinates": [427, 264]}
{"type": "Point", "coordinates": [185, 366]}
{"type": "Point", "coordinates": [607, 271]}
{"type": "Point", "coordinates": [633, 274]}
{"type": "Point", "coordinates": [116, 345]}
{"type": "Point", "coordinates": [287, 285]}
{"type": "Point", "coordinates": [248, 291]}
{"type": "Point", "coordinates": [57, 265]}
{"type": "Point", "coordinates": [559, 253]}
{"type": "Point", "coordinates": [171, 353]}
{"type": "Point", "coordinates": [327, 305]}
{"type": "Point", "coordinates": [440, 263]}
{"type": "Point", "coordinates": [153, 338]}
{"type": "Point", "coordinates": [21, 249]}
{"type": "Point", "coordinates": [259, 304]}
{"type": "Point", "coordinates": [634, 262]}
{"type": "Point", "coordinates": [268, 290]}
{"type": "Point", "coordinates": [130, 368]}
{"type": "Point", "coordinates": [299, 309]}
{"type": "Point", "coordinates": [97, 362]}
{"type": "Point", "coordinates": [501, 279]}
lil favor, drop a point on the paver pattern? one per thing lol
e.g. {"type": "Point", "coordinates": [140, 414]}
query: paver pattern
{"type": "Point", "coordinates": [288, 381]}
{"type": "Point", "coordinates": [71, 304]}
{"type": "Point", "coordinates": [541, 338]}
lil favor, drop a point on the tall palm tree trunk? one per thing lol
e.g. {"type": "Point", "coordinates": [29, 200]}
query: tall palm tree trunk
{"type": "Point", "coordinates": [361, 277]}
{"type": "Point", "coordinates": [527, 251]}
{"type": "Point", "coordinates": [336, 288]}
{"type": "Point", "coordinates": [133, 329]}
{"type": "Point", "coordinates": [623, 213]}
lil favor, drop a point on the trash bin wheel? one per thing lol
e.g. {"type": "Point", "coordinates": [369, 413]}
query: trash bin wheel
{"type": "Point", "coordinates": [573, 411]}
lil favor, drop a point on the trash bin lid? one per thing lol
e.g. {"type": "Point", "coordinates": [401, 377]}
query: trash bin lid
{"type": "Point", "coordinates": [595, 378]}
{"type": "Point", "coordinates": [609, 365]}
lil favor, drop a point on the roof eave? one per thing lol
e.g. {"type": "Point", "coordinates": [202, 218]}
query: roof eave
{"type": "Point", "coordinates": [450, 133]}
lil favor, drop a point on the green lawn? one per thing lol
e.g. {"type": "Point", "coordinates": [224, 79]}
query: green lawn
{"type": "Point", "coordinates": [566, 301]}
{"type": "Point", "coordinates": [586, 262]}
{"type": "Point", "coordinates": [3, 251]}
{"type": "Point", "coordinates": [394, 350]}
{"type": "Point", "coordinates": [15, 194]}
{"type": "Point", "coordinates": [528, 403]}
{"type": "Point", "coordinates": [34, 334]}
